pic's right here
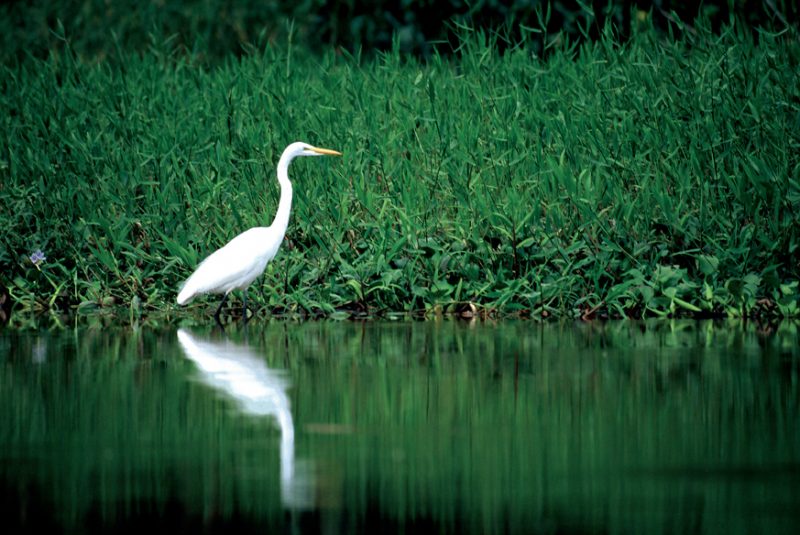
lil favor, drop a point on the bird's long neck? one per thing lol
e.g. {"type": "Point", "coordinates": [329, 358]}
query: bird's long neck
{"type": "Point", "coordinates": [281, 220]}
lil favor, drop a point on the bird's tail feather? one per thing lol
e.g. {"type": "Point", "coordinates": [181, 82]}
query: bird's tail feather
{"type": "Point", "coordinates": [186, 294]}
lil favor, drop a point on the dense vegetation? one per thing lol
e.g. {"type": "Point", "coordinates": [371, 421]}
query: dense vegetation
{"type": "Point", "coordinates": [212, 30]}
{"type": "Point", "coordinates": [656, 176]}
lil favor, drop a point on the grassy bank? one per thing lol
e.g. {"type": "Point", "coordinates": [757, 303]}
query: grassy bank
{"type": "Point", "coordinates": [661, 177]}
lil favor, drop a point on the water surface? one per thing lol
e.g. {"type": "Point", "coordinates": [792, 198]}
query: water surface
{"type": "Point", "coordinates": [451, 427]}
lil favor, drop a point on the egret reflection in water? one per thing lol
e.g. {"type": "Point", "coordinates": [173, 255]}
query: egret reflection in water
{"type": "Point", "coordinates": [242, 374]}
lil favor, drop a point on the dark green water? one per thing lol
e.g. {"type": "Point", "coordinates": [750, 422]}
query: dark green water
{"type": "Point", "coordinates": [663, 427]}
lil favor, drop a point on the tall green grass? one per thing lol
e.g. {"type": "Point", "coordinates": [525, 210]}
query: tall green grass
{"type": "Point", "coordinates": [659, 177]}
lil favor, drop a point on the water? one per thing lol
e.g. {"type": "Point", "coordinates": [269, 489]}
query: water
{"type": "Point", "coordinates": [672, 427]}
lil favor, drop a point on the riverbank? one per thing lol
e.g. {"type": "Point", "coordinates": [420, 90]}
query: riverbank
{"type": "Point", "coordinates": [656, 178]}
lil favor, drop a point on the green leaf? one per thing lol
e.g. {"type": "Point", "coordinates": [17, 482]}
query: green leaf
{"type": "Point", "coordinates": [707, 264]}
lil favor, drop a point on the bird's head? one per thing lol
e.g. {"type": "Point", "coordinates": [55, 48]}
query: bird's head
{"type": "Point", "coordinates": [299, 148]}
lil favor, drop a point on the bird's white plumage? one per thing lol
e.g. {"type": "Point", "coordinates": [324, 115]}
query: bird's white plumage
{"type": "Point", "coordinates": [236, 265]}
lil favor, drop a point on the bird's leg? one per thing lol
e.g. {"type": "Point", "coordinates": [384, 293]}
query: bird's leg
{"type": "Point", "coordinates": [219, 308]}
{"type": "Point", "coordinates": [244, 305]}
{"type": "Point", "coordinates": [220, 325]}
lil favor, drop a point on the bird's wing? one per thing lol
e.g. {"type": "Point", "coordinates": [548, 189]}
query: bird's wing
{"type": "Point", "coordinates": [233, 266]}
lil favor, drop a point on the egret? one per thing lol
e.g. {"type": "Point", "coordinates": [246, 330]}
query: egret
{"type": "Point", "coordinates": [237, 264]}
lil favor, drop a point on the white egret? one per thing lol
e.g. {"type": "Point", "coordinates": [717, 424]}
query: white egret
{"type": "Point", "coordinates": [236, 265]}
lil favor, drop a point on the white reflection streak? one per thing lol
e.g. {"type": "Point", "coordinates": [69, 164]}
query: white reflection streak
{"type": "Point", "coordinates": [241, 373]}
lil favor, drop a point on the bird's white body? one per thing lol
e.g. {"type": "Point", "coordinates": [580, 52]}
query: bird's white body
{"type": "Point", "coordinates": [236, 265]}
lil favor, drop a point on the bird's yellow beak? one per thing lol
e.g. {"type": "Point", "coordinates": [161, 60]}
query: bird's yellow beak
{"type": "Point", "coordinates": [326, 152]}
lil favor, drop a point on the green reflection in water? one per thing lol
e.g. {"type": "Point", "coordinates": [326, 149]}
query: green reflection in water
{"type": "Point", "coordinates": [340, 427]}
